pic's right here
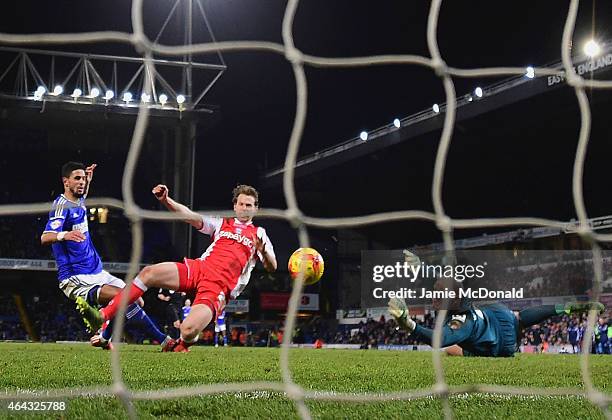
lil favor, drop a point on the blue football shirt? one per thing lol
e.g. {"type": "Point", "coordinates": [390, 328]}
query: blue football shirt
{"type": "Point", "coordinates": [72, 258]}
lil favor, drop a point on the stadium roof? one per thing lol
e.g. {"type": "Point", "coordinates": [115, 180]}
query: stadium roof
{"type": "Point", "coordinates": [469, 105]}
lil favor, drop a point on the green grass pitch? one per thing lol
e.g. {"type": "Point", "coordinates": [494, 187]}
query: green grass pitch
{"type": "Point", "coordinates": [28, 367]}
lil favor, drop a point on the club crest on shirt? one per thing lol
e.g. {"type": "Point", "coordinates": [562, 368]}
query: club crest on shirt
{"type": "Point", "coordinates": [55, 224]}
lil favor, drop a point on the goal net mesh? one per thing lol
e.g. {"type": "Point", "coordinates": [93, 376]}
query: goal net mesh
{"type": "Point", "coordinates": [300, 222]}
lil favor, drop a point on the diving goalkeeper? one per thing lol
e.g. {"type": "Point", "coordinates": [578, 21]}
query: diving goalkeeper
{"type": "Point", "coordinates": [489, 330]}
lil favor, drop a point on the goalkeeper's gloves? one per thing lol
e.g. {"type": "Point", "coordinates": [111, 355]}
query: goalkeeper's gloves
{"type": "Point", "coordinates": [399, 310]}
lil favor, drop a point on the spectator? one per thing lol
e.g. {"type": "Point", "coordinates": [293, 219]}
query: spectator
{"type": "Point", "coordinates": [601, 337]}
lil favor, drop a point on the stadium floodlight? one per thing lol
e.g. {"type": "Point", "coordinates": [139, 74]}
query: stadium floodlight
{"type": "Point", "coordinates": [530, 72]}
{"type": "Point", "coordinates": [180, 99]}
{"type": "Point", "coordinates": [40, 91]}
{"type": "Point", "coordinates": [363, 135]}
{"type": "Point", "coordinates": [478, 92]}
{"type": "Point", "coordinates": [163, 98]}
{"type": "Point", "coordinates": [94, 92]}
{"type": "Point", "coordinates": [58, 90]}
{"type": "Point", "coordinates": [145, 98]}
{"type": "Point", "coordinates": [76, 93]}
{"type": "Point", "coordinates": [127, 97]}
{"type": "Point", "coordinates": [436, 108]}
{"type": "Point", "coordinates": [591, 48]}
{"type": "Point", "coordinates": [109, 95]}
{"type": "Point", "coordinates": [397, 123]}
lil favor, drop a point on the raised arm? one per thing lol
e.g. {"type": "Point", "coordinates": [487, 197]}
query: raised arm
{"type": "Point", "coordinates": [89, 177]}
{"type": "Point", "coordinates": [189, 216]}
{"type": "Point", "coordinates": [455, 334]}
{"type": "Point", "coordinates": [450, 336]}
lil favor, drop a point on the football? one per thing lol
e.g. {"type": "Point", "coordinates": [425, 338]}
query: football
{"type": "Point", "coordinates": [310, 261]}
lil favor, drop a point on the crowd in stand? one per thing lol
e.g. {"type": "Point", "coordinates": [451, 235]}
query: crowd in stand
{"type": "Point", "coordinates": [57, 321]}
{"type": "Point", "coordinates": [10, 327]}
{"type": "Point", "coordinates": [565, 333]}
{"type": "Point", "coordinates": [373, 333]}
{"type": "Point", "coordinates": [53, 318]}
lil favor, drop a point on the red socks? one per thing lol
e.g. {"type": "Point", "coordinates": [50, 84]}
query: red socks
{"type": "Point", "coordinates": [109, 311]}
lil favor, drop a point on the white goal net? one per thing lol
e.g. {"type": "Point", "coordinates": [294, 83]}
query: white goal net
{"type": "Point", "coordinates": [147, 48]}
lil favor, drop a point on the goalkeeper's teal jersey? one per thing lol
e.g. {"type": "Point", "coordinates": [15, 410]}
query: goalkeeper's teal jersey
{"type": "Point", "coordinates": [486, 331]}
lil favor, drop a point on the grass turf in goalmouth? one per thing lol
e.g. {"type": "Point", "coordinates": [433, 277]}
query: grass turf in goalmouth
{"type": "Point", "coordinates": [38, 367]}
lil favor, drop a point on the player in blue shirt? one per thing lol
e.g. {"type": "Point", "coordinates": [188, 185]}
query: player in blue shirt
{"type": "Point", "coordinates": [186, 308]}
{"type": "Point", "coordinates": [488, 330]}
{"type": "Point", "coordinates": [220, 328]}
{"type": "Point", "coordinates": [79, 267]}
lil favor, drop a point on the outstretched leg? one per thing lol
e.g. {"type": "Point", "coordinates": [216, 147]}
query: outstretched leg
{"type": "Point", "coordinates": [537, 314]}
{"type": "Point", "coordinates": [164, 275]}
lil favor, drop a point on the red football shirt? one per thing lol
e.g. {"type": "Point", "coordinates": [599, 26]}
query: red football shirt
{"type": "Point", "coordinates": [232, 253]}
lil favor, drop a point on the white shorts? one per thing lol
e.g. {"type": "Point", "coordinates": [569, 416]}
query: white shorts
{"type": "Point", "coordinates": [220, 328]}
{"type": "Point", "coordinates": [81, 284]}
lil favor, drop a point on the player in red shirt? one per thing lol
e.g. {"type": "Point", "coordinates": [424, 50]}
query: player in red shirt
{"type": "Point", "coordinates": [220, 274]}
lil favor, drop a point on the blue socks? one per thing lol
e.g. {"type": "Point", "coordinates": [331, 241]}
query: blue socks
{"type": "Point", "coordinates": [217, 339]}
{"type": "Point", "coordinates": [136, 315]}
{"type": "Point", "coordinates": [107, 333]}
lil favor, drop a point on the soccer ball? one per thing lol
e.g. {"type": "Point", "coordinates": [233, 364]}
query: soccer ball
{"type": "Point", "coordinates": [309, 260]}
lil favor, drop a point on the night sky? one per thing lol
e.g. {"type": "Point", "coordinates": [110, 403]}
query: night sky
{"type": "Point", "coordinates": [516, 161]}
